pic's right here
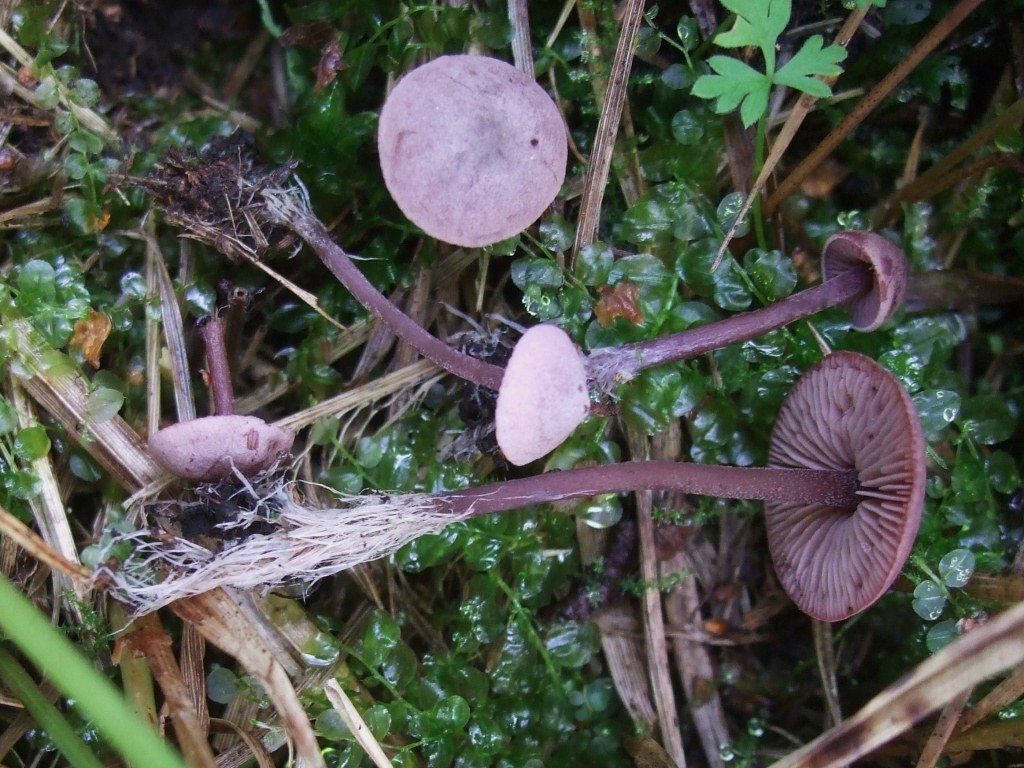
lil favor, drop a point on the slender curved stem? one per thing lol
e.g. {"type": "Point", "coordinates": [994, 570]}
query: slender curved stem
{"type": "Point", "coordinates": [630, 359]}
{"type": "Point", "coordinates": [310, 229]}
{"type": "Point", "coordinates": [835, 488]}
{"type": "Point", "coordinates": [217, 366]}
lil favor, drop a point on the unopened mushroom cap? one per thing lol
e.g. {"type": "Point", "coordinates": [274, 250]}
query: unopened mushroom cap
{"type": "Point", "coordinates": [472, 150]}
{"type": "Point", "coordinates": [543, 395]}
{"type": "Point", "coordinates": [852, 250]}
{"type": "Point", "coordinates": [207, 449]}
{"type": "Point", "coordinates": [847, 412]}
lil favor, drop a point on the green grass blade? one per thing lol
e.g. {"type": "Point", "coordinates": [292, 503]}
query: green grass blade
{"type": "Point", "coordinates": [55, 656]}
{"type": "Point", "coordinates": [46, 716]}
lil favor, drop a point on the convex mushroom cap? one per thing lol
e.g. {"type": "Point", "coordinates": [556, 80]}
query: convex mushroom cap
{"type": "Point", "coordinates": [472, 150]}
{"type": "Point", "coordinates": [543, 395]}
{"type": "Point", "coordinates": [847, 412]}
{"type": "Point", "coordinates": [212, 447]}
{"type": "Point", "coordinates": [851, 250]}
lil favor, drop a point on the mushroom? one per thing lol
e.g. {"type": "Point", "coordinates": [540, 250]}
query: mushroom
{"type": "Point", "coordinates": [842, 492]}
{"type": "Point", "coordinates": [472, 150]}
{"type": "Point", "coordinates": [862, 271]}
{"type": "Point", "coordinates": [847, 412]}
{"type": "Point", "coordinates": [212, 447]}
{"type": "Point", "coordinates": [843, 489]}
{"type": "Point", "coordinates": [543, 395]}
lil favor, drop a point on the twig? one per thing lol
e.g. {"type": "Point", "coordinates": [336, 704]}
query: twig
{"type": "Point", "coordinates": [967, 661]}
{"type": "Point", "coordinates": [607, 127]}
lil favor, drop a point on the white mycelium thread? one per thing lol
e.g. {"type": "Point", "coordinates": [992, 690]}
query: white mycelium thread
{"type": "Point", "coordinates": [304, 545]}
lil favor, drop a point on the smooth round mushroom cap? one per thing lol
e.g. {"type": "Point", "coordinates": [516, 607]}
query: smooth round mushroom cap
{"type": "Point", "coordinates": [852, 250]}
{"type": "Point", "coordinates": [543, 395]}
{"type": "Point", "coordinates": [473, 151]}
{"type": "Point", "coordinates": [847, 412]}
{"type": "Point", "coordinates": [207, 449]}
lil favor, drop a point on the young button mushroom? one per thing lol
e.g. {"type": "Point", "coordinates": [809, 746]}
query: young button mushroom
{"type": "Point", "coordinates": [472, 150]}
{"type": "Point", "coordinates": [862, 271]}
{"type": "Point", "coordinates": [212, 447]}
{"type": "Point", "coordinates": [847, 412]}
{"type": "Point", "coordinates": [543, 395]}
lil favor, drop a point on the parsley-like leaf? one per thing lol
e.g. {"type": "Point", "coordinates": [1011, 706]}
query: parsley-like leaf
{"type": "Point", "coordinates": [759, 23]}
{"type": "Point", "coordinates": [811, 60]}
{"type": "Point", "coordinates": [735, 84]}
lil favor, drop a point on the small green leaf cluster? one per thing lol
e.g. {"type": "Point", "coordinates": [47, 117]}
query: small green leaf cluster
{"type": "Point", "coordinates": [936, 590]}
{"type": "Point", "coordinates": [759, 24]}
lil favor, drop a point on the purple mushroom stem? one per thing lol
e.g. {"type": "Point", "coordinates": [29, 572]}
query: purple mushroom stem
{"type": "Point", "coordinates": [862, 271]}
{"type": "Point", "coordinates": [833, 488]}
{"type": "Point", "coordinates": [746, 325]}
{"type": "Point", "coordinates": [217, 366]}
{"type": "Point", "coordinates": [310, 229]}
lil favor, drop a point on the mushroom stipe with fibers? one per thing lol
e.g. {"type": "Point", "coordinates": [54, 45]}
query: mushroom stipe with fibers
{"type": "Point", "coordinates": [309, 544]}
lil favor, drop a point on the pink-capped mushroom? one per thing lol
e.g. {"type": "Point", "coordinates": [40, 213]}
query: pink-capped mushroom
{"type": "Point", "coordinates": [211, 448]}
{"type": "Point", "coordinates": [472, 150]}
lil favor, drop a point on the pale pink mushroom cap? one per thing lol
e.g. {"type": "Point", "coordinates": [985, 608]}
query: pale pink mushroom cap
{"type": "Point", "coordinates": [847, 412]}
{"type": "Point", "coordinates": [853, 250]}
{"type": "Point", "coordinates": [543, 395]}
{"type": "Point", "coordinates": [207, 449]}
{"type": "Point", "coordinates": [472, 150]}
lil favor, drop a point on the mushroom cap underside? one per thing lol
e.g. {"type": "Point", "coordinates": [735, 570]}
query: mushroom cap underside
{"type": "Point", "coordinates": [210, 448]}
{"type": "Point", "coordinates": [847, 412]}
{"type": "Point", "coordinates": [472, 150]}
{"type": "Point", "coordinates": [855, 249]}
{"type": "Point", "coordinates": [543, 395]}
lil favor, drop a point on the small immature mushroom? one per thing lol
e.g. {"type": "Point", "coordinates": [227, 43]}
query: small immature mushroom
{"type": "Point", "coordinates": [212, 447]}
{"type": "Point", "coordinates": [472, 150]}
{"type": "Point", "coordinates": [543, 395]}
{"type": "Point", "coordinates": [862, 271]}
{"type": "Point", "coordinates": [847, 411]}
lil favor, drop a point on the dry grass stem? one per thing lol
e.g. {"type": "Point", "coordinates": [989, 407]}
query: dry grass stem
{"type": "Point", "coordinates": [865, 106]}
{"type": "Point", "coordinates": [148, 640]}
{"type": "Point", "coordinates": [348, 712]}
{"type": "Point", "coordinates": [64, 395]}
{"type": "Point", "coordinates": [421, 375]}
{"type": "Point", "coordinates": [218, 617]}
{"type": "Point", "coordinates": [34, 545]}
{"type": "Point", "coordinates": [971, 659]}
{"type": "Point", "coordinates": [658, 666]}
{"type": "Point", "coordinates": [608, 127]}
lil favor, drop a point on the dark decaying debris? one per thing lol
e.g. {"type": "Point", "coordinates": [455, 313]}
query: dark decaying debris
{"type": "Point", "coordinates": [212, 516]}
{"type": "Point", "coordinates": [215, 195]}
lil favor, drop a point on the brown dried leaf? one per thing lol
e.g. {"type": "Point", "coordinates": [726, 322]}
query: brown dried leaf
{"type": "Point", "coordinates": [619, 300]}
{"type": "Point", "coordinates": [89, 336]}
